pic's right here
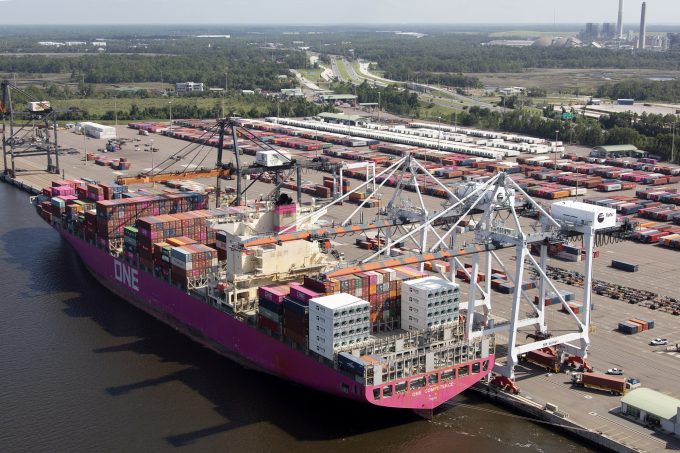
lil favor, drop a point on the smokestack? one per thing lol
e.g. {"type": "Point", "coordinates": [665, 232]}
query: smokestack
{"type": "Point", "coordinates": [643, 26]}
{"type": "Point", "coordinates": [619, 24]}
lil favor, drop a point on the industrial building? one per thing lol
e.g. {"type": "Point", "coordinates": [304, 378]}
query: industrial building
{"type": "Point", "coordinates": [349, 98]}
{"type": "Point", "coordinates": [652, 408]}
{"type": "Point", "coordinates": [617, 151]}
{"type": "Point", "coordinates": [189, 87]}
{"type": "Point", "coordinates": [291, 93]}
{"type": "Point", "coordinates": [96, 130]}
{"type": "Point", "coordinates": [341, 118]}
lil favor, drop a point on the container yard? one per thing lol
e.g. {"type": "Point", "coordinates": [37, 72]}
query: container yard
{"type": "Point", "coordinates": [283, 308]}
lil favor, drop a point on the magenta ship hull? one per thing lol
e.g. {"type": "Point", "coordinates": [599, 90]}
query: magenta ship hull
{"type": "Point", "coordinates": [255, 348]}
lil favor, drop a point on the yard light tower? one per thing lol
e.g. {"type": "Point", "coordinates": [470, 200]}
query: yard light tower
{"type": "Point", "coordinates": [557, 134]}
{"type": "Point", "coordinates": [170, 104]}
{"type": "Point", "coordinates": [439, 131]}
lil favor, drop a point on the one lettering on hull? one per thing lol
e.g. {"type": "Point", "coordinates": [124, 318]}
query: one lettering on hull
{"type": "Point", "coordinates": [127, 275]}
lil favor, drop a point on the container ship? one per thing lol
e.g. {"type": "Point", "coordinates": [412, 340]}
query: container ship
{"type": "Point", "coordinates": [243, 282]}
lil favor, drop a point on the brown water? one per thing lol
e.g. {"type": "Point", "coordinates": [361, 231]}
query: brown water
{"type": "Point", "coordinates": [81, 370]}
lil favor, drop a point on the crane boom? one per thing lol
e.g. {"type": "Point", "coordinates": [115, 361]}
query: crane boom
{"type": "Point", "coordinates": [332, 231]}
{"type": "Point", "coordinates": [412, 259]}
{"type": "Point", "coordinates": [162, 177]}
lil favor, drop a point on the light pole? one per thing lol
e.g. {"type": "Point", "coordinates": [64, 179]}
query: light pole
{"type": "Point", "coordinates": [378, 107]}
{"type": "Point", "coordinates": [557, 134]}
{"type": "Point", "coordinates": [224, 93]}
{"type": "Point", "coordinates": [673, 159]}
{"type": "Point", "coordinates": [115, 109]}
{"type": "Point", "coordinates": [170, 103]}
{"type": "Point", "coordinates": [673, 127]}
{"type": "Point", "coordinates": [439, 131]}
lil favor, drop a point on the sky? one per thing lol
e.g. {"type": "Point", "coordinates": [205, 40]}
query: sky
{"type": "Point", "coordinates": [330, 12]}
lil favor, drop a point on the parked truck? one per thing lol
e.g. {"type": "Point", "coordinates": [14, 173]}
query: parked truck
{"type": "Point", "coordinates": [543, 359]}
{"type": "Point", "coordinates": [616, 385]}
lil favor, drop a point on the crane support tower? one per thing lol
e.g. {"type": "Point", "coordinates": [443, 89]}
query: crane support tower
{"type": "Point", "coordinates": [31, 131]}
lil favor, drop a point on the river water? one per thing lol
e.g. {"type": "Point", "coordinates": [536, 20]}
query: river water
{"type": "Point", "coordinates": [82, 370]}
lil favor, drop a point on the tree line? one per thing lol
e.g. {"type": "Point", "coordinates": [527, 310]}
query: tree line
{"type": "Point", "coordinates": [392, 99]}
{"type": "Point", "coordinates": [244, 69]}
{"type": "Point", "coordinates": [649, 132]}
{"type": "Point", "coordinates": [642, 90]}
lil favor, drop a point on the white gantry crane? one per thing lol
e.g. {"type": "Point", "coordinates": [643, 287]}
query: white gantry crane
{"type": "Point", "coordinates": [506, 218]}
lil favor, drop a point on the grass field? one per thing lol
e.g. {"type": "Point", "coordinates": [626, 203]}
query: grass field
{"type": "Point", "coordinates": [556, 81]}
{"type": "Point", "coordinates": [313, 75]}
{"type": "Point", "coordinates": [376, 72]}
{"type": "Point", "coordinates": [427, 112]}
{"type": "Point", "coordinates": [343, 70]}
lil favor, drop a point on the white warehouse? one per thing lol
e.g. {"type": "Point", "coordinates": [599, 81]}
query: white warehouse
{"type": "Point", "coordinates": [96, 130]}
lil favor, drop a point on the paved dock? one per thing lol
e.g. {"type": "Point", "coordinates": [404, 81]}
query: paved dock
{"type": "Point", "coordinates": [659, 272]}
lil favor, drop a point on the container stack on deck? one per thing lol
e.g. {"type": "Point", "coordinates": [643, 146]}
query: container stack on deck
{"type": "Point", "coordinates": [381, 288]}
{"type": "Point", "coordinates": [193, 261]}
{"type": "Point", "coordinates": [114, 215]}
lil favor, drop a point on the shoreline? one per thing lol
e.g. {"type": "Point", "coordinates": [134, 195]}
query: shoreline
{"type": "Point", "coordinates": [517, 404]}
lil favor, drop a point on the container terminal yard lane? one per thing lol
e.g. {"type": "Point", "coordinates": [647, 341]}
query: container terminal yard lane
{"type": "Point", "coordinates": [654, 367]}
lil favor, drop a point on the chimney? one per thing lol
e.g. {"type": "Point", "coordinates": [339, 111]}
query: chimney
{"type": "Point", "coordinates": [619, 24]}
{"type": "Point", "coordinates": [643, 26]}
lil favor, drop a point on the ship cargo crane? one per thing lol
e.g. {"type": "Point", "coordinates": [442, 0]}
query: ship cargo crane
{"type": "Point", "coordinates": [282, 171]}
{"type": "Point", "coordinates": [28, 132]}
{"type": "Point", "coordinates": [143, 178]}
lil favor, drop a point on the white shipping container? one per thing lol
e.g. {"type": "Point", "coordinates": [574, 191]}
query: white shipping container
{"type": "Point", "coordinates": [40, 106]}
{"type": "Point", "coordinates": [270, 158]}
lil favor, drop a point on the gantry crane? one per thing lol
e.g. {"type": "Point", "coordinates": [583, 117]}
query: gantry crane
{"type": "Point", "coordinates": [22, 137]}
{"type": "Point", "coordinates": [221, 170]}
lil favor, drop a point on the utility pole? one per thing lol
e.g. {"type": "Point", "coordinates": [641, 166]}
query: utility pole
{"type": "Point", "coordinates": [378, 107]}
{"type": "Point", "coordinates": [3, 99]}
{"type": "Point", "coordinates": [170, 103]}
{"type": "Point", "coordinates": [224, 93]}
{"type": "Point", "coordinates": [557, 134]}
{"type": "Point", "coordinates": [673, 157]}
{"type": "Point", "coordinates": [439, 131]}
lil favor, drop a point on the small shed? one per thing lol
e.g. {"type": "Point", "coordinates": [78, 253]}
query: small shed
{"type": "Point", "coordinates": [652, 408]}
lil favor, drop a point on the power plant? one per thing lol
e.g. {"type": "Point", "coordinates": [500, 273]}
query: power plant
{"type": "Point", "coordinates": [643, 26]}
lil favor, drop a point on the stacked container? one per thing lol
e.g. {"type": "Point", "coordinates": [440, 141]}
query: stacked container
{"type": "Point", "coordinates": [337, 321]}
{"type": "Point", "coordinates": [635, 325]}
{"type": "Point", "coordinates": [130, 242]}
{"type": "Point", "coordinates": [428, 302]}
{"type": "Point", "coordinates": [382, 288]}
{"type": "Point", "coordinates": [270, 306]}
{"type": "Point", "coordinates": [192, 261]}
{"type": "Point", "coordinates": [296, 321]}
